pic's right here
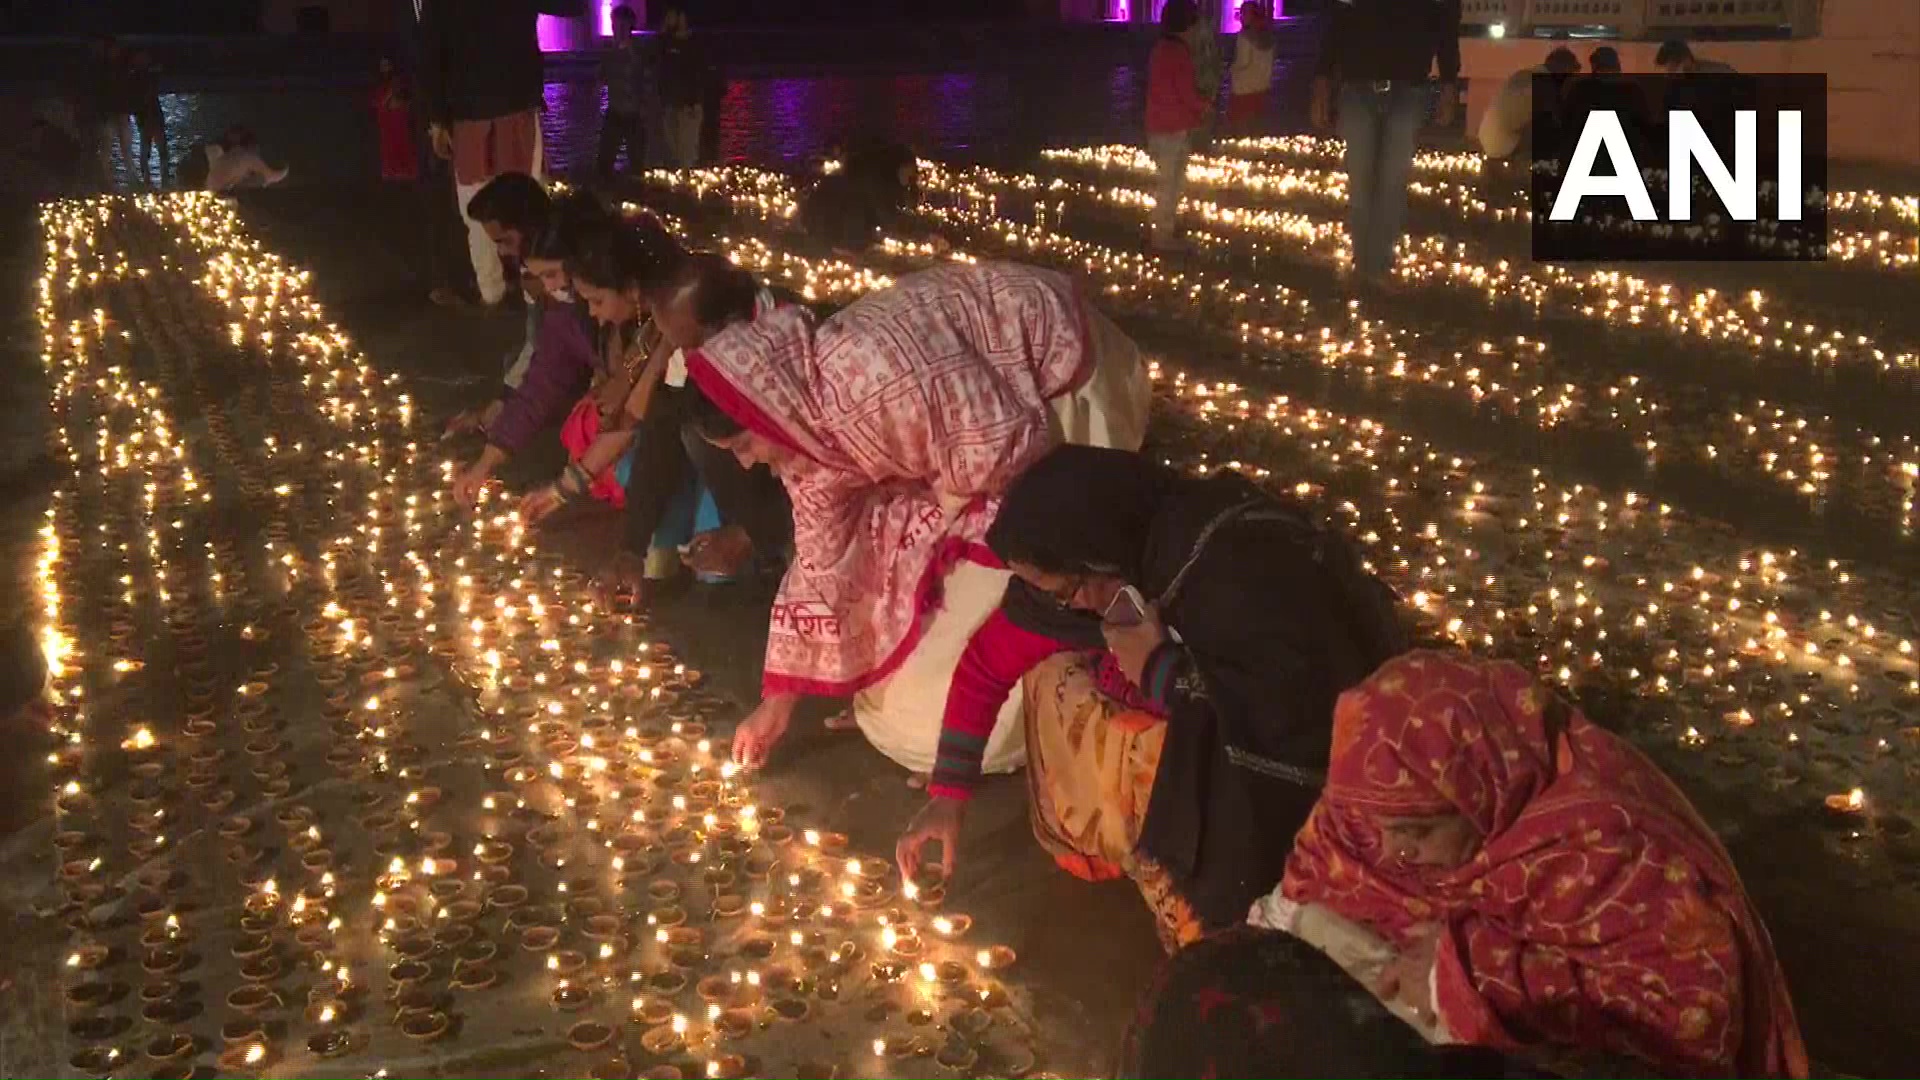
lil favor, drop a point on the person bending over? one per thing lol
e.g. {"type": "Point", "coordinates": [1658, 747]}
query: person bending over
{"type": "Point", "coordinates": [1507, 128]}
{"type": "Point", "coordinates": [1536, 883]}
{"type": "Point", "coordinates": [1182, 640]}
{"type": "Point", "coordinates": [895, 425]}
{"type": "Point", "coordinates": [560, 360]}
{"type": "Point", "coordinates": [605, 262]}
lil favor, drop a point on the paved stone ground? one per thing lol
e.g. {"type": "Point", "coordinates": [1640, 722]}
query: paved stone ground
{"type": "Point", "coordinates": [1842, 911]}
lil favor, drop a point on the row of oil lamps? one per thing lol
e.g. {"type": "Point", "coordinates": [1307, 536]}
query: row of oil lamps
{"type": "Point", "coordinates": [536, 622]}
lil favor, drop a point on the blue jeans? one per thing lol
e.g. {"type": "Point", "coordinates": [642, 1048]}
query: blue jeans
{"type": "Point", "coordinates": [1379, 126]}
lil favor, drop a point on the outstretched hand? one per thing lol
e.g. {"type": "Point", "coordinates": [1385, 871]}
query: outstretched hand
{"type": "Point", "coordinates": [466, 486]}
{"type": "Point", "coordinates": [1406, 978]}
{"type": "Point", "coordinates": [761, 731]}
{"type": "Point", "coordinates": [539, 504]}
{"type": "Point", "coordinates": [937, 822]}
{"type": "Point", "coordinates": [1133, 645]}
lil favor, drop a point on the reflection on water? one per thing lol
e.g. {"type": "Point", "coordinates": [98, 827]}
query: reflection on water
{"type": "Point", "coordinates": [326, 132]}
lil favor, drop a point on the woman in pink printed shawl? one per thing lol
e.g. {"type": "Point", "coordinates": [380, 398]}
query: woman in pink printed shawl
{"type": "Point", "coordinates": [895, 425]}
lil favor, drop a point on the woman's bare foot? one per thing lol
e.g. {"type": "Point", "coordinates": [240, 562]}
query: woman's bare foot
{"type": "Point", "coordinates": [918, 781]}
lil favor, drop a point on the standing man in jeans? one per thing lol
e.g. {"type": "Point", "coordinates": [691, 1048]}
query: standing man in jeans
{"type": "Point", "coordinates": [482, 83]}
{"type": "Point", "coordinates": [684, 78]}
{"type": "Point", "coordinates": [1378, 55]}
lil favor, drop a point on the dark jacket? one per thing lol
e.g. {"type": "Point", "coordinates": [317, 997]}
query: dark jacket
{"type": "Point", "coordinates": [1398, 40]}
{"type": "Point", "coordinates": [1275, 617]}
{"type": "Point", "coordinates": [684, 72]}
{"type": "Point", "coordinates": [480, 59]}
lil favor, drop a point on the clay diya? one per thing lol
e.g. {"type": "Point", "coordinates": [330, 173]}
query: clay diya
{"type": "Point", "coordinates": [734, 1023]}
{"type": "Point", "coordinates": [96, 1061]}
{"type": "Point", "coordinates": [242, 1030]}
{"type": "Point", "coordinates": [652, 1011]}
{"type": "Point", "coordinates": [507, 897]}
{"type": "Point", "coordinates": [93, 1028]}
{"type": "Point", "coordinates": [661, 1040]}
{"type": "Point", "coordinates": [475, 977]}
{"type": "Point", "coordinates": [252, 998]}
{"type": "Point", "coordinates": [425, 1026]}
{"type": "Point", "coordinates": [329, 1044]}
{"type": "Point", "coordinates": [957, 1057]}
{"type": "Point", "coordinates": [995, 958]}
{"type": "Point", "coordinates": [589, 1035]}
{"type": "Point", "coordinates": [172, 1047]}
{"type": "Point", "coordinates": [570, 998]}
{"type": "Point", "coordinates": [971, 1022]}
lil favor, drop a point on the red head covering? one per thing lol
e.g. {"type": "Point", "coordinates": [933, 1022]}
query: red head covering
{"type": "Point", "coordinates": [910, 411]}
{"type": "Point", "coordinates": [1599, 912]}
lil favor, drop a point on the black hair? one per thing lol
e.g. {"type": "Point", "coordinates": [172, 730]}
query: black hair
{"type": "Point", "coordinates": [1178, 16]}
{"type": "Point", "coordinates": [710, 421]}
{"type": "Point", "coordinates": [622, 11]}
{"type": "Point", "coordinates": [237, 136]}
{"type": "Point", "coordinates": [1605, 58]}
{"type": "Point", "coordinates": [1672, 52]}
{"type": "Point", "coordinates": [1562, 60]}
{"type": "Point", "coordinates": [634, 254]}
{"type": "Point", "coordinates": [513, 201]}
{"type": "Point", "coordinates": [724, 294]}
{"type": "Point", "coordinates": [573, 217]}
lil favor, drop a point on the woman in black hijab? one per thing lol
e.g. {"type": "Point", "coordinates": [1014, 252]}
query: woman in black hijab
{"type": "Point", "coordinates": [1228, 613]}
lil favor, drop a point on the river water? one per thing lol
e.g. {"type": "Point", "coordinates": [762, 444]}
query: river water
{"type": "Point", "coordinates": [992, 95]}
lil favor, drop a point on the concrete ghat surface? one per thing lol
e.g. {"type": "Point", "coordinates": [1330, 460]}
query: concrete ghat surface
{"type": "Point", "coordinates": [1843, 932]}
{"type": "Point", "coordinates": [1835, 921]}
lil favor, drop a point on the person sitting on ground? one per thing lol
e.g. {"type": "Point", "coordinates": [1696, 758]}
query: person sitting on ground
{"type": "Point", "coordinates": [709, 295]}
{"type": "Point", "coordinates": [877, 181]}
{"type": "Point", "coordinates": [895, 425]}
{"type": "Point", "coordinates": [686, 298]}
{"type": "Point", "coordinates": [1254, 1003]}
{"type": "Point", "coordinates": [1537, 883]}
{"type": "Point", "coordinates": [1676, 58]}
{"type": "Point", "coordinates": [233, 161]}
{"type": "Point", "coordinates": [1182, 640]}
{"type": "Point", "coordinates": [1704, 88]}
{"type": "Point", "coordinates": [560, 360]}
{"type": "Point", "coordinates": [1607, 89]}
{"type": "Point", "coordinates": [1508, 128]}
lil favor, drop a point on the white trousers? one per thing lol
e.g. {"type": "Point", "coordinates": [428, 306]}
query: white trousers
{"type": "Point", "coordinates": [489, 276]}
{"type": "Point", "coordinates": [901, 714]}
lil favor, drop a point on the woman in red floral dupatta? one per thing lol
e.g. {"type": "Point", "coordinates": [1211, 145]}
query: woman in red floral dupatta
{"type": "Point", "coordinates": [1547, 888]}
{"type": "Point", "coordinates": [895, 426]}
